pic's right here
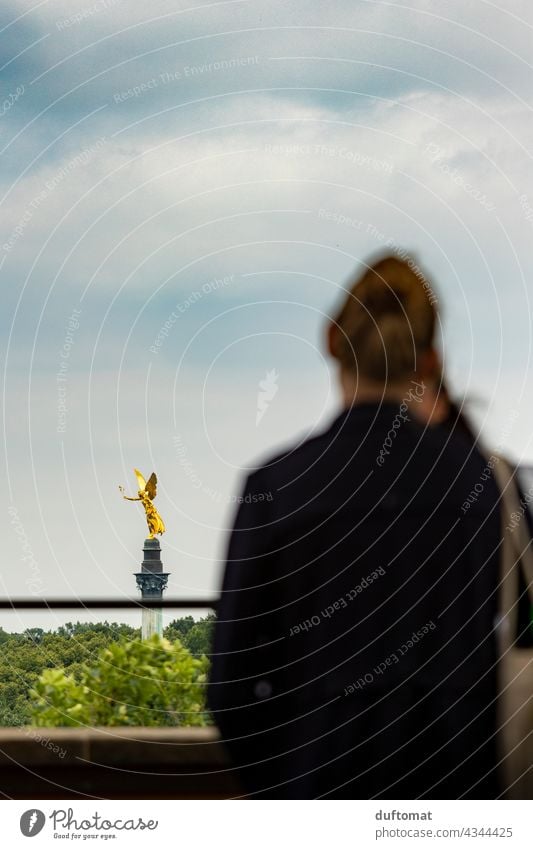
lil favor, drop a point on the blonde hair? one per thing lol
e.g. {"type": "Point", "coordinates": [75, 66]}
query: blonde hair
{"type": "Point", "coordinates": [386, 321]}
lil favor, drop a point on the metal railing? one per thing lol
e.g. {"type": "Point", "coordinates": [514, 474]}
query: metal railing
{"type": "Point", "coordinates": [105, 603]}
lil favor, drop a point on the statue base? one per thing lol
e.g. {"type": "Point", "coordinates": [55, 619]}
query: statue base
{"type": "Point", "coordinates": [152, 556]}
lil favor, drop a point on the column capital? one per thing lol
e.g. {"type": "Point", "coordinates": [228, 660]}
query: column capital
{"type": "Point", "coordinates": [152, 584]}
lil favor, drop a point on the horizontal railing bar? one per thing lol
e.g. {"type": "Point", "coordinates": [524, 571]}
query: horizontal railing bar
{"type": "Point", "coordinates": [105, 603]}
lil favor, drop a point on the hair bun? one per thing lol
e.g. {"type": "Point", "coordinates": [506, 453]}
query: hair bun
{"type": "Point", "coordinates": [386, 321]}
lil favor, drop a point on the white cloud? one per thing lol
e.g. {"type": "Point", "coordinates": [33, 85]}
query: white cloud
{"type": "Point", "coordinates": [287, 189]}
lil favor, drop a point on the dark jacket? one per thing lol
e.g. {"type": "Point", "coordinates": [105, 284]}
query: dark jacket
{"type": "Point", "coordinates": [354, 654]}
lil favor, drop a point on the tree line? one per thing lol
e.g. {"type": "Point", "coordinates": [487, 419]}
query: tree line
{"type": "Point", "coordinates": [103, 674]}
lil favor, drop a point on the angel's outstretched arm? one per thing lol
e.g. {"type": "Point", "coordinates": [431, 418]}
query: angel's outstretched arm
{"type": "Point", "coordinates": [126, 497]}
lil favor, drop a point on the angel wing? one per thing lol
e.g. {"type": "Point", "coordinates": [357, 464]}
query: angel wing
{"type": "Point", "coordinates": [140, 479]}
{"type": "Point", "coordinates": [151, 486]}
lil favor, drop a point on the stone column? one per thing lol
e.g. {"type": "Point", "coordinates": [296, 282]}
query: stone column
{"type": "Point", "coordinates": [152, 581]}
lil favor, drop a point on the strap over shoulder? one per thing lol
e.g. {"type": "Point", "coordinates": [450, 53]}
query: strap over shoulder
{"type": "Point", "coordinates": [516, 548]}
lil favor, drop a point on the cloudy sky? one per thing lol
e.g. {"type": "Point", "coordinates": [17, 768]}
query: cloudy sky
{"type": "Point", "coordinates": [184, 193]}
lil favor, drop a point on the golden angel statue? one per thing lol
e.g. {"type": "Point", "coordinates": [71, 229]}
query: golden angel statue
{"type": "Point", "coordinates": [147, 493]}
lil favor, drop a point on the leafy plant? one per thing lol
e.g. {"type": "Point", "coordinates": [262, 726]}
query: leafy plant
{"type": "Point", "coordinates": [152, 682]}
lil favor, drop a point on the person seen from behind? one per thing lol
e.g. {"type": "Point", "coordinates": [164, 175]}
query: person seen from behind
{"type": "Point", "coordinates": [354, 654]}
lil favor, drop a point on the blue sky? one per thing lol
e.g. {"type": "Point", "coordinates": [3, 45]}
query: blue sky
{"type": "Point", "coordinates": [233, 163]}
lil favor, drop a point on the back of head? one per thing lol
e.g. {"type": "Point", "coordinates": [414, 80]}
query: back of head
{"type": "Point", "coordinates": [387, 320]}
